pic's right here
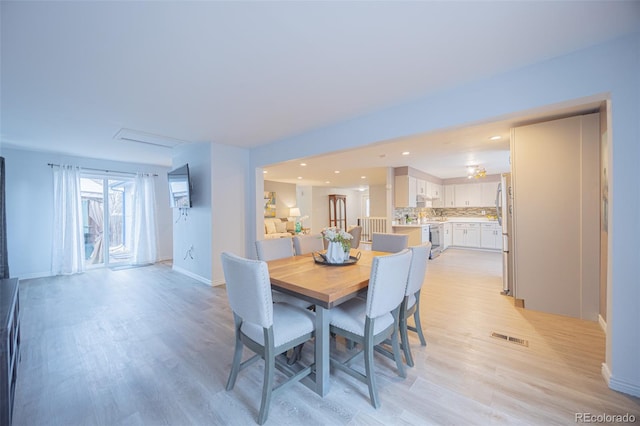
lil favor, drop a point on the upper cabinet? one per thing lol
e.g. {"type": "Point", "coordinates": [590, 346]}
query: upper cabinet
{"type": "Point", "coordinates": [468, 195]}
{"type": "Point", "coordinates": [449, 195]}
{"type": "Point", "coordinates": [436, 193]}
{"type": "Point", "coordinates": [489, 192]}
{"type": "Point", "coordinates": [422, 187]}
{"type": "Point", "coordinates": [405, 191]}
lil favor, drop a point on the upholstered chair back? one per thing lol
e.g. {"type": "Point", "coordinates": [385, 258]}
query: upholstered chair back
{"type": "Point", "coordinates": [387, 283]}
{"type": "Point", "coordinates": [418, 267]}
{"type": "Point", "coordinates": [276, 248]}
{"type": "Point", "coordinates": [248, 289]}
{"type": "Point", "coordinates": [303, 244]}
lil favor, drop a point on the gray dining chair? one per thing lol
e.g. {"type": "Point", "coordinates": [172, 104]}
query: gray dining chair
{"type": "Point", "coordinates": [356, 232]}
{"type": "Point", "coordinates": [372, 321]}
{"type": "Point", "coordinates": [275, 248]}
{"type": "Point", "coordinates": [303, 244]}
{"type": "Point", "coordinates": [411, 303]}
{"type": "Point", "coordinates": [392, 243]}
{"type": "Point", "coordinates": [279, 248]}
{"type": "Point", "coordinates": [266, 328]}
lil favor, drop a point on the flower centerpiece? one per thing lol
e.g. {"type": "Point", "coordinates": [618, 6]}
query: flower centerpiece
{"type": "Point", "coordinates": [339, 245]}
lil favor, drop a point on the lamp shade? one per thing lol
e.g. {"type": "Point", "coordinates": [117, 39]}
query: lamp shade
{"type": "Point", "coordinates": [294, 212]}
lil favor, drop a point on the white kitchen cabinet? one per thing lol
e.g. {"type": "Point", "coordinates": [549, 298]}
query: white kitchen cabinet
{"type": "Point", "coordinates": [437, 195]}
{"type": "Point", "coordinates": [466, 234]}
{"type": "Point", "coordinates": [425, 234]}
{"type": "Point", "coordinates": [449, 196]}
{"type": "Point", "coordinates": [468, 195]}
{"type": "Point", "coordinates": [491, 236]}
{"type": "Point", "coordinates": [421, 187]}
{"type": "Point", "coordinates": [405, 191]}
{"type": "Point", "coordinates": [488, 193]}
{"type": "Point", "coordinates": [448, 236]}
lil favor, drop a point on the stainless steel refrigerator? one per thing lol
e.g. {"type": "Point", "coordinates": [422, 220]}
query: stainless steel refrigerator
{"type": "Point", "coordinates": [504, 209]}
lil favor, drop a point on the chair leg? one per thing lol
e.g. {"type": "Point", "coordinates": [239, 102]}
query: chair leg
{"type": "Point", "coordinates": [235, 367]}
{"type": "Point", "coordinates": [404, 340]}
{"type": "Point", "coordinates": [267, 386]}
{"type": "Point", "coordinates": [397, 354]}
{"type": "Point", "coordinates": [416, 318]}
{"type": "Point", "coordinates": [370, 373]}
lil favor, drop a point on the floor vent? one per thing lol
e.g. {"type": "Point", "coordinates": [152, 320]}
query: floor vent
{"type": "Point", "coordinates": [510, 339]}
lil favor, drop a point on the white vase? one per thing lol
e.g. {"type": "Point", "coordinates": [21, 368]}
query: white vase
{"type": "Point", "coordinates": [335, 253]}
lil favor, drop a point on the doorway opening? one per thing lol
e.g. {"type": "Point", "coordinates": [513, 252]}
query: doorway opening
{"type": "Point", "coordinates": [107, 218]}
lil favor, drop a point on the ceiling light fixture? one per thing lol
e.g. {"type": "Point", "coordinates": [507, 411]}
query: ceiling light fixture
{"type": "Point", "coordinates": [299, 177]}
{"type": "Point", "coordinates": [303, 164]}
{"type": "Point", "coordinates": [406, 153]}
{"type": "Point", "coordinates": [363, 177]}
{"type": "Point", "coordinates": [495, 138]}
{"type": "Point", "coordinates": [476, 172]}
{"type": "Point", "coordinates": [336, 171]}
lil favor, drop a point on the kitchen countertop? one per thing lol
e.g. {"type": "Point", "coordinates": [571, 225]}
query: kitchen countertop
{"type": "Point", "coordinates": [449, 220]}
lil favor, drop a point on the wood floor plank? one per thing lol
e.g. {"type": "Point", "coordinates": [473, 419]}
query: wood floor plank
{"type": "Point", "coordinates": [149, 346]}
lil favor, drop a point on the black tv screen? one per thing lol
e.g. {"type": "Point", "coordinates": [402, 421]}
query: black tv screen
{"type": "Point", "coordinates": [180, 187]}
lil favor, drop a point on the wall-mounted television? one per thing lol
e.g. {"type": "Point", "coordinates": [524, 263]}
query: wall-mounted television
{"type": "Point", "coordinates": [180, 187]}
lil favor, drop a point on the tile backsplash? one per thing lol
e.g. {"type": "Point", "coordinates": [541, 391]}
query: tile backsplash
{"type": "Point", "coordinates": [447, 212]}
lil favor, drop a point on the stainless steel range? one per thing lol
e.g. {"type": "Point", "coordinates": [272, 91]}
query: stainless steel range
{"type": "Point", "coordinates": [436, 235]}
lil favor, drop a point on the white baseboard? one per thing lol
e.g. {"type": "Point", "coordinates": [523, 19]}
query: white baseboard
{"type": "Point", "coordinates": [619, 385]}
{"type": "Point", "coordinates": [192, 275]}
{"type": "Point", "coordinates": [603, 324]}
{"type": "Point", "coordinates": [34, 275]}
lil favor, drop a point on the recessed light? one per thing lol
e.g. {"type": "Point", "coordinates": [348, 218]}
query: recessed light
{"type": "Point", "coordinates": [299, 177]}
{"type": "Point", "coordinates": [363, 177]}
{"type": "Point", "coordinates": [265, 172]}
{"type": "Point", "coordinates": [336, 171]}
{"type": "Point", "coordinates": [303, 164]}
{"type": "Point", "coordinates": [327, 181]}
{"type": "Point", "coordinates": [406, 153]}
{"type": "Point", "coordinates": [495, 138]}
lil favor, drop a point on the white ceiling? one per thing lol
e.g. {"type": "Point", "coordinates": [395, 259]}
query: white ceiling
{"type": "Point", "coordinates": [248, 73]}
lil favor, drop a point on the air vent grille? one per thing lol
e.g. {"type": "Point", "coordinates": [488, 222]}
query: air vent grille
{"type": "Point", "coordinates": [510, 339]}
{"type": "Point", "coordinates": [147, 138]}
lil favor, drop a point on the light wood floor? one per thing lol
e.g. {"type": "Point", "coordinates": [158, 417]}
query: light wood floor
{"type": "Point", "coordinates": [149, 346]}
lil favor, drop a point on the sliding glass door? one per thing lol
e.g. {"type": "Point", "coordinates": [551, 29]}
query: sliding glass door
{"type": "Point", "coordinates": [106, 210]}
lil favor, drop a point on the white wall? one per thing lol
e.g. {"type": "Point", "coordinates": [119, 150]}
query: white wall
{"type": "Point", "coordinates": [609, 70]}
{"type": "Point", "coordinates": [29, 199]}
{"type": "Point", "coordinates": [229, 178]}
{"type": "Point", "coordinates": [378, 200]}
{"type": "Point", "coordinates": [286, 197]}
{"type": "Point", "coordinates": [192, 227]}
{"type": "Point", "coordinates": [304, 195]}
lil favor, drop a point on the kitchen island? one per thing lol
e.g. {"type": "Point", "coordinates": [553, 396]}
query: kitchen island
{"type": "Point", "coordinates": [418, 233]}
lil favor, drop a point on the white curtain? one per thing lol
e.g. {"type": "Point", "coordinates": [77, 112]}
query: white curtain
{"type": "Point", "coordinates": [143, 222]}
{"type": "Point", "coordinates": [68, 237]}
{"type": "Point", "coordinates": [96, 221]}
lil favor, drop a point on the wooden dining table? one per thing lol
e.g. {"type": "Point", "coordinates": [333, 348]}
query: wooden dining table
{"type": "Point", "coordinates": [326, 286]}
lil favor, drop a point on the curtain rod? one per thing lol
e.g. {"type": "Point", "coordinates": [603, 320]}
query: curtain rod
{"type": "Point", "coordinates": [103, 170]}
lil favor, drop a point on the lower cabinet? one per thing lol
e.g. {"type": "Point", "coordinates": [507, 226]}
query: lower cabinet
{"type": "Point", "coordinates": [466, 234]}
{"type": "Point", "coordinates": [448, 236]}
{"type": "Point", "coordinates": [491, 236]}
{"type": "Point", "coordinates": [474, 234]}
